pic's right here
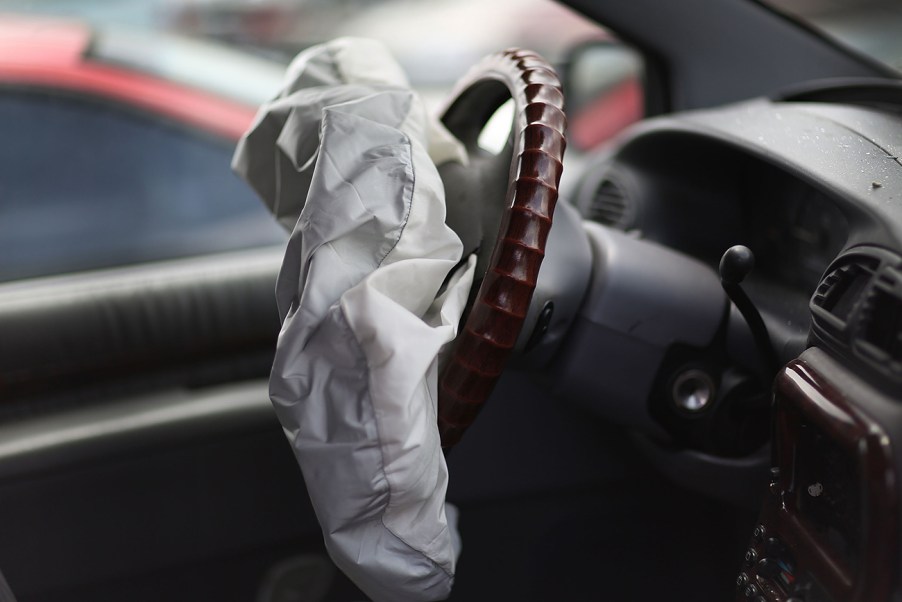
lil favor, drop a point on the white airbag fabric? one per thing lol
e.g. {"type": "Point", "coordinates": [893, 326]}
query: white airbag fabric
{"type": "Point", "coordinates": [345, 156]}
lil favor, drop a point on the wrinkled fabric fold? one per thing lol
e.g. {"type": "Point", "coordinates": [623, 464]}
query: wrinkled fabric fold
{"type": "Point", "coordinates": [371, 290]}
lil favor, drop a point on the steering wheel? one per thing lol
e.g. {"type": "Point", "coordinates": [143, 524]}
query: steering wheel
{"type": "Point", "coordinates": [501, 206]}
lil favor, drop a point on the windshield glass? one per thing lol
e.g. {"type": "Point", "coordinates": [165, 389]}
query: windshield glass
{"type": "Point", "coordinates": [873, 27]}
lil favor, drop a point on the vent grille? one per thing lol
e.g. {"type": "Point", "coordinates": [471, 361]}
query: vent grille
{"type": "Point", "coordinates": [841, 289]}
{"type": "Point", "coordinates": [611, 206]}
{"type": "Point", "coordinates": [856, 312]}
{"type": "Point", "coordinates": [880, 331]}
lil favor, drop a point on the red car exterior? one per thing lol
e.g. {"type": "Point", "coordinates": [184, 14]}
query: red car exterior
{"type": "Point", "coordinates": [54, 54]}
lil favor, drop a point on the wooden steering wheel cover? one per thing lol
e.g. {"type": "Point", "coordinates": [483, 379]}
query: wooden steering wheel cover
{"type": "Point", "coordinates": [493, 325]}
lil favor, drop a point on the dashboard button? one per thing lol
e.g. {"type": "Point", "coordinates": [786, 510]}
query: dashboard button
{"type": "Point", "coordinates": [767, 568]}
{"type": "Point", "coordinates": [775, 548]}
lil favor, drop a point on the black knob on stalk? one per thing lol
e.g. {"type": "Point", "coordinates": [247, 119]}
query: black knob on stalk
{"type": "Point", "coordinates": [735, 265]}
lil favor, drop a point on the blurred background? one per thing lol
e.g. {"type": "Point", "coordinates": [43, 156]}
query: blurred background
{"type": "Point", "coordinates": [434, 57]}
{"type": "Point", "coordinates": [134, 106]}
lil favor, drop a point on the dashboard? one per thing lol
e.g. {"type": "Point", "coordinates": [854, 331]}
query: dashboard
{"type": "Point", "coordinates": [814, 190]}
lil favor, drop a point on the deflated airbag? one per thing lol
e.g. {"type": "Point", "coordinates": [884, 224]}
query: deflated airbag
{"type": "Point", "coordinates": [345, 157]}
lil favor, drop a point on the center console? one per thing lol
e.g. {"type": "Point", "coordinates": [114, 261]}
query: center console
{"type": "Point", "coordinates": [828, 530]}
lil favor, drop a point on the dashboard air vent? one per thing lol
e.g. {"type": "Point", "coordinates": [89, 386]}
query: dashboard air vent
{"type": "Point", "coordinates": [611, 206]}
{"type": "Point", "coordinates": [856, 313]}
{"type": "Point", "coordinates": [880, 331]}
{"type": "Point", "coordinates": [838, 292]}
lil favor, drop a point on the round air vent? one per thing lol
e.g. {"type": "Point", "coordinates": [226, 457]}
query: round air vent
{"type": "Point", "coordinates": [611, 206]}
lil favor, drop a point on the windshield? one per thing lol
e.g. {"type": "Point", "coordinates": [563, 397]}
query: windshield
{"type": "Point", "coordinates": [873, 27]}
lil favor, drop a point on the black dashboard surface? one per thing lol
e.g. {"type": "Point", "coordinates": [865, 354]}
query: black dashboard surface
{"type": "Point", "coordinates": [815, 191]}
{"type": "Point", "coordinates": [798, 183]}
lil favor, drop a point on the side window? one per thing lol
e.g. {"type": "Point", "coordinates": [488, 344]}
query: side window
{"type": "Point", "coordinates": [603, 90]}
{"type": "Point", "coordinates": [85, 184]}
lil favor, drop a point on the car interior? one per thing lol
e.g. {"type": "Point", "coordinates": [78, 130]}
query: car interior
{"type": "Point", "coordinates": [703, 402]}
